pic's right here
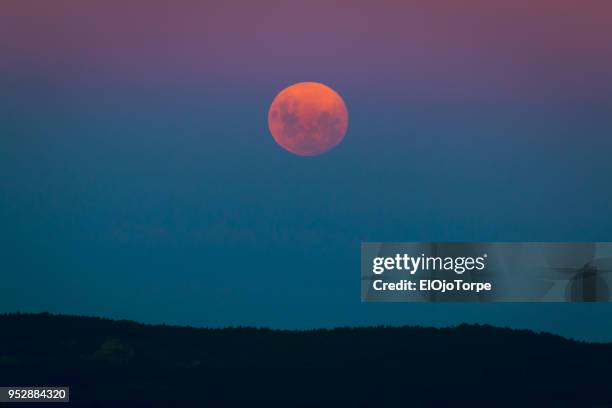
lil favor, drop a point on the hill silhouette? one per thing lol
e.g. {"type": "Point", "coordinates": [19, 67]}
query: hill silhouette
{"type": "Point", "coordinates": [123, 363]}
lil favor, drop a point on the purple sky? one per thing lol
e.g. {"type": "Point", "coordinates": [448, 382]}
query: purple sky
{"type": "Point", "coordinates": [441, 49]}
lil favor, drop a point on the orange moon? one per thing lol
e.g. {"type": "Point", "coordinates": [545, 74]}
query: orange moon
{"type": "Point", "coordinates": [308, 118]}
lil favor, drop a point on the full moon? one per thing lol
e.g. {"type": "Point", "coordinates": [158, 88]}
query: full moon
{"type": "Point", "coordinates": [308, 118]}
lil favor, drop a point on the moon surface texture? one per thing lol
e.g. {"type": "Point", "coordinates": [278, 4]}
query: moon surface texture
{"type": "Point", "coordinates": [308, 118]}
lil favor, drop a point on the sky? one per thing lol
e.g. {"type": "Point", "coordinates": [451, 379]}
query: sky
{"type": "Point", "coordinates": [138, 178]}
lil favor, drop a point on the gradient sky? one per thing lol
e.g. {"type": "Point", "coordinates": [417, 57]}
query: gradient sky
{"type": "Point", "coordinates": [138, 179]}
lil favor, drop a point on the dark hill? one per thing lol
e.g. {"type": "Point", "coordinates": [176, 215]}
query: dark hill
{"type": "Point", "coordinates": [123, 363]}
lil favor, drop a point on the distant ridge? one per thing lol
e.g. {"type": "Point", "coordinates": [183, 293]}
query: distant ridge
{"type": "Point", "coordinates": [108, 362]}
{"type": "Point", "coordinates": [110, 322]}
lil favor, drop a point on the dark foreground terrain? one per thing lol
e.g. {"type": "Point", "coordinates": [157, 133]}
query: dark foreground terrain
{"type": "Point", "coordinates": [122, 363]}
